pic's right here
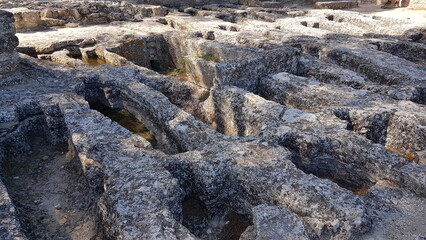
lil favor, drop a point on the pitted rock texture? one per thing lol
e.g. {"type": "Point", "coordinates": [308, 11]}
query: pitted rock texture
{"type": "Point", "coordinates": [8, 43]}
{"type": "Point", "coordinates": [272, 120]}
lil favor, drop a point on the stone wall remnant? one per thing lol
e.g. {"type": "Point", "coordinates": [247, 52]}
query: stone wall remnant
{"type": "Point", "coordinates": [8, 43]}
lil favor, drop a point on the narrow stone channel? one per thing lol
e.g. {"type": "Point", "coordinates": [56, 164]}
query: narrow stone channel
{"type": "Point", "coordinates": [50, 193]}
{"type": "Point", "coordinates": [360, 190]}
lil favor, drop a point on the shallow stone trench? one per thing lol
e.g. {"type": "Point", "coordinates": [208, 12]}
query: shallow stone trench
{"type": "Point", "coordinates": [46, 183]}
{"type": "Point", "coordinates": [126, 120]}
{"type": "Point", "coordinates": [52, 198]}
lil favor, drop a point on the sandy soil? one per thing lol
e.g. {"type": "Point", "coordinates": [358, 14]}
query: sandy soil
{"type": "Point", "coordinates": [417, 16]}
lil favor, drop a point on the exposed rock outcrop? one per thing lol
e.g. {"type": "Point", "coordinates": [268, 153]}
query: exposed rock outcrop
{"type": "Point", "coordinates": [8, 43]}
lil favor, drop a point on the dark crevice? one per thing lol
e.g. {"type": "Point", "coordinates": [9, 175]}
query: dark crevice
{"type": "Point", "coordinates": [235, 225]}
{"type": "Point", "coordinates": [343, 114]}
{"type": "Point", "coordinates": [373, 127]}
{"type": "Point", "coordinates": [155, 65]}
{"type": "Point", "coordinates": [150, 52]}
{"type": "Point", "coordinates": [203, 223]}
{"type": "Point", "coordinates": [194, 213]}
{"type": "Point", "coordinates": [319, 160]}
{"type": "Point", "coordinates": [360, 190]}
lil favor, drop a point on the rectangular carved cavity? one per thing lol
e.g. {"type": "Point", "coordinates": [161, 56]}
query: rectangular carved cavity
{"type": "Point", "coordinates": [214, 215]}
{"type": "Point", "coordinates": [150, 52]}
{"type": "Point", "coordinates": [126, 120]}
{"type": "Point", "coordinates": [198, 220]}
{"type": "Point", "coordinates": [179, 56]}
{"type": "Point", "coordinates": [399, 130]}
{"type": "Point", "coordinates": [46, 183]}
{"type": "Point", "coordinates": [414, 52]}
{"type": "Point", "coordinates": [236, 112]}
{"type": "Point", "coordinates": [185, 60]}
{"type": "Point", "coordinates": [92, 59]}
{"type": "Point", "coordinates": [139, 119]}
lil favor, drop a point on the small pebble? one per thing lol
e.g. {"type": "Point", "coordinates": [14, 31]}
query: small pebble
{"type": "Point", "coordinates": [45, 157]}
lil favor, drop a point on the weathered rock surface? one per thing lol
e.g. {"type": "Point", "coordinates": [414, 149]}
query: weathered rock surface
{"type": "Point", "coordinates": [269, 122]}
{"type": "Point", "coordinates": [281, 221]}
{"type": "Point", "coordinates": [8, 43]}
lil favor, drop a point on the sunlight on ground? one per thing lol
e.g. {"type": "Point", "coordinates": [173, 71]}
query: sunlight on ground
{"type": "Point", "coordinates": [417, 16]}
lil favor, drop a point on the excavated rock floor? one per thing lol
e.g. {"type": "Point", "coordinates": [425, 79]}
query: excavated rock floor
{"type": "Point", "coordinates": [213, 122]}
{"type": "Point", "coordinates": [50, 195]}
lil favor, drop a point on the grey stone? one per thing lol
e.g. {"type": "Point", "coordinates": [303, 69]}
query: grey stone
{"type": "Point", "coordinates": [8, 43]}
{"type": "Point", "coordinates": [7, 29]}
{"type": "Point", "coordinates": [6, 17]}
{"type": "Point", "coordinates": [278, 223]}
{"type": "Point", "coordinates": [305, 123]}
